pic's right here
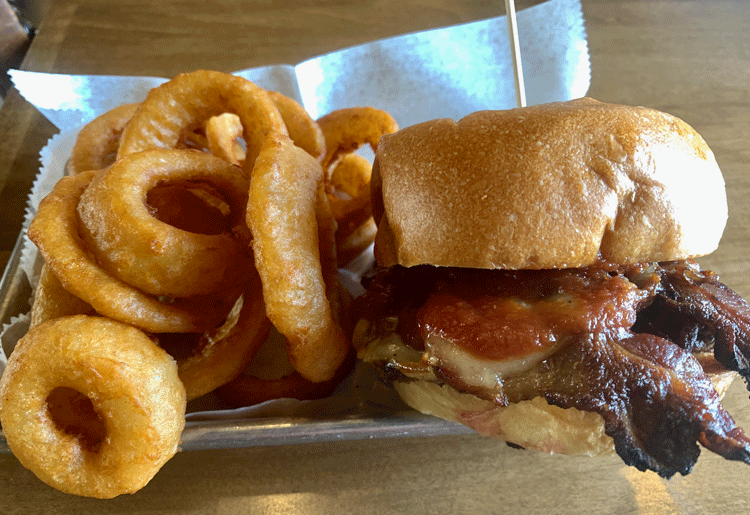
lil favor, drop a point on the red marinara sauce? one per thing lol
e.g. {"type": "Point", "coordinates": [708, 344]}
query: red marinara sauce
{"type": "Point", "coordinates": [500, 315]}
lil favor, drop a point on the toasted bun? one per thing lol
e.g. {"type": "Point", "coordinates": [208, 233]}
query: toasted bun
{"type": "Point", "coordinates": [551, 186]}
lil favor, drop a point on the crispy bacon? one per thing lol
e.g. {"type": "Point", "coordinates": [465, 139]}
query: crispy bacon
{"type": "Point", "coordinates": [693, 309]}
{"type": "Point", "coordinates": [655, 398]}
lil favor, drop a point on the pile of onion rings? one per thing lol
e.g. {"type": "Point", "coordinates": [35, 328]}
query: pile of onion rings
{"type": "Point", "coordinates": [199, 222]}
{"type": "Point", "coordinates": [348, 174]}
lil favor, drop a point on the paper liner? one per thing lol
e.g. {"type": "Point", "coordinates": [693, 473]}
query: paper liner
{"type": "Point", "coordinates": [446, 72]}
{"type": "Point", "coordinates": [53, 158]}
{"type": "Point", "coordinates": [11, 333]}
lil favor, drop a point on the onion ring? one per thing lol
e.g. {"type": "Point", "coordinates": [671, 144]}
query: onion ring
{"type": "Point", "coordinates": [349, 192]}
{"type": "Point", "coordinates": [191, 207]}
{"type": "Point", "coordinates": [348, 175]}
{"type": "Point", "coordinates": [97, 143]}
{"type": "Point", "coordinates": [92, 406]}
{"type": "Point", "coordinates": [216, 357]}
{"type": "Point", "coordinates": [149, 254]}
{"type": "Point", "coordinates": [222, 135]}
{"type": "Point", "coordinates": [223, 131]}
{"type": "Point", "coordinates": [349, 196]}
{"type": "Point", "coordinates": [270, 376]}
{"type": "Point", "coordinates": [223, 353]}
{"type": "Point", "coordinates": [247, 390]}
{"type": "Point", "coordinates": [54, 230]}
{"type": "Point", "coordinates": [283, 218]}
{"type": "Point", "coordinates": [352, 244]}
{"type": "Point", "coordinates": [51, 300]}
{"type": "Point", "coordinates": [335, 293]}
{"type": "Point", "coordinates": [303, 130]}
{"type": "Point", "coordinates": [189, 99]}
{"type": "Point", "coordinates": [345, 130]}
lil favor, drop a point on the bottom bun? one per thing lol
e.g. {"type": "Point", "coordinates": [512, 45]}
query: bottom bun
{"type": "Point", "coordinates": [532, 424]}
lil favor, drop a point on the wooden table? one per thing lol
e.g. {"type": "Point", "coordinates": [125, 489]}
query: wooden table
{"type": "Point", "coordinates": [690, 58]}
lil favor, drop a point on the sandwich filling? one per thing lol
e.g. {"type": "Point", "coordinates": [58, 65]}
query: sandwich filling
{"type": "Point", "coordinates": [619, 341]}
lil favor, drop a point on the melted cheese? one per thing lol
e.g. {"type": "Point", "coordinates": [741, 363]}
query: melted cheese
{"type": "Point", "coordinates": [441, 353]}
{"type": "Point", "coordinates": [476, 371]}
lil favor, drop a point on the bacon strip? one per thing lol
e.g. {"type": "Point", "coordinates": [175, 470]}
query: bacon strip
{"type": "Point", "coordinates": [655, 399]}
{"type": "Point", "coordinates": [693, 309]}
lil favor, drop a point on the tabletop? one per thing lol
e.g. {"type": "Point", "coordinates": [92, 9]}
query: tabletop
{"type": "Point", "coordinates": [689, 58]}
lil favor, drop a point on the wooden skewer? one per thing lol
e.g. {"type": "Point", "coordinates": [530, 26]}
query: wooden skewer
{"type": "Point", "coordinates": [510, 9]}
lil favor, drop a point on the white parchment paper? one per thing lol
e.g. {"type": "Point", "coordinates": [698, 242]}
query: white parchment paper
{"type": "Point", "coordinates": [446, 72]}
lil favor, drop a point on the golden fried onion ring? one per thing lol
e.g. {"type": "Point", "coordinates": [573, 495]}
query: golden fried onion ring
{"type": "Point", "coordinates": [223, 353]}
{"type": "Point", "coordinates": [188, 100]}
{"type": "Point", "coordinates": [348, 174]}
{"type": "Point", "coordinates": [92, 406]}
{"type": "Point", "coordinates": [51, 300]}
{"type": "Point", "coordinates": [54, 230]}
{"type": "Point", "coordinates": [247, 390]}
{"type": "Point", "coordinates": [222, 138]}
{"type": "Point", "coordinates": [192, 207]}
{"type": "Point", "coordinates": [223, 131]}
{"type": "Point", "coordinates": [97, 143]}
{"type": "Point", "coordinates": [283, 218]}
{"type": "Point", "coordinates": [149, 254]}
{"type": "Point", "coordinates": [352, 244]}
{"type": "Point", "coordinates": [303, 130]}
{"type": "Point", "coordinates": [349, 196]}
{"type": "Point", "coordinates": [270, 376]}
{"type": "Point", "coordinates": [336, 294]}
{"type": "Point", "coordinates": [215, 358]}
{"type": "Point", "coordinates": [345, 130]}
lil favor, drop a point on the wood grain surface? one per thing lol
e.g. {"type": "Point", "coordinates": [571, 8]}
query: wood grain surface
{"type": "Point", "coordinates": [689, 58]}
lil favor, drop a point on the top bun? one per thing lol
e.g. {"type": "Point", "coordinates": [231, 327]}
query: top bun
{"type": "Point", "coordinates": [558, 185]}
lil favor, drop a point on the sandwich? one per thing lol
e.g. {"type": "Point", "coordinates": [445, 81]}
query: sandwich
{"type": "Point", "coordinates": [536, 280]}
